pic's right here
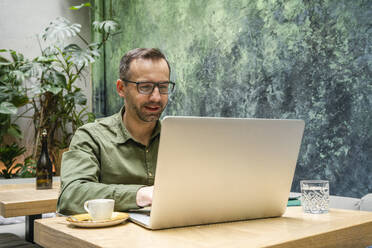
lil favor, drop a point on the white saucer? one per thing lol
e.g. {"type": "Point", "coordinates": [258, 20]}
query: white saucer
{"type": "Point", "coordinates": [84, 220]}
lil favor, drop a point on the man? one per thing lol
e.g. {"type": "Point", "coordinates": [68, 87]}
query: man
{"type": "Point", "coordinates": [115, 157]}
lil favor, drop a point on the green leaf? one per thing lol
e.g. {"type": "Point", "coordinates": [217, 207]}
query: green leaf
{"type": "Point", "coordinates": [91, 117]}
{"type": "Point", "coordinates": [5, 173]}
{"type": "Point", "coordinates": [60, 29]}
{"type": "Point", "coordinates": [28, 169]}
{"type": "Point", "coordinates": [20, 100]}
{"type": "Point", "coordinates": [51, 51]}
{"type": "Point", "coordinates": [79, 56]}
{"type": "Point", "coordinates": [59, 79]}
{"type": "Point", "coordinates": [18, 165]}
{"type": "Point", "coordinates": [55, 90]}
{"type": "Point", "coordinates": [54, 78]}
{"type": "Point", "coordinates": [26, 67]}
{"type": "Point", "coordinates": [5, 63]}
{"type": "Point", "coordinates": [52, 89]}
{"type": "Point", "coordinates": [18, 76]}
{"type": "Point", "coordinates": [15, 131]}
{"type": "Point", "coordinates": [35, 69]}
{"type": "Point", "coordinates": [8, 154]}
{"type": "Point", "coordinates": [76, 97]}
{"type": "Point", "coordinates": [107, 26]}
{"type": "Point", "coordinates": [4, 60]}
{"type": "Point", "coordinates": [94, 45]}
{"type": "Point", "coordinates": [45, 59]}
{"type": "Point", "coordinates": [71, 48]}
{"type": "Point", "coordinates": [8, 108]}
{"type": "Point", "coordinates": [80, 97]}
{"type": "Point", "coordinates": [80, 6]}
{"type": "Point", "coordinates": [17, 57]}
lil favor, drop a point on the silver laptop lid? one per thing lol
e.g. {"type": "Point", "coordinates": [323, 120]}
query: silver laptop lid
{"type": "Point", "coordinates": [223, 169]}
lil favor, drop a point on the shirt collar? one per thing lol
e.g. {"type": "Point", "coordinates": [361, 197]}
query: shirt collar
{"type": "Point", "coordinates": [123, 135]}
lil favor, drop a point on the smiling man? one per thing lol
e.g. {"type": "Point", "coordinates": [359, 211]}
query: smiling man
{"type": "Point", "coordinates": [115, 157]}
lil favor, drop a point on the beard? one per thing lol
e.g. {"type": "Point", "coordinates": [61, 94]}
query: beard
{"type": "Point", "coordinates": [146, 116]}
{"type": "Point", "coordinates": [147, 112]}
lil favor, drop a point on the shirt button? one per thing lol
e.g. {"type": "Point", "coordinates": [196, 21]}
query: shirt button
{"type": "Point", "coordinates": [147, 150]}
{"type": "Point", "coordinates": [150, 174]}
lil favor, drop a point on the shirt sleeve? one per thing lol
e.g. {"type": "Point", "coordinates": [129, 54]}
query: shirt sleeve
{"type": "Point", "coordinates": [80, 178]}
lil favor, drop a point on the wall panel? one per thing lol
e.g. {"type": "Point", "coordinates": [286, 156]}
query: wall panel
{"type": "Point", "coordinates": [267, 59]}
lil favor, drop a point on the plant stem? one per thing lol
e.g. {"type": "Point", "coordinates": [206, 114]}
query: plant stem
{"type": "Point", "coordinates": [82, 38]}
{"type": "Point", "coordinates": [21, 115]}
{"type": "Point", "coordinates": [38, 41]}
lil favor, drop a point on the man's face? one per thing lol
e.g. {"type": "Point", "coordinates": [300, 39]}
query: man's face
{"type": "Point", "coordinates": [146, 108]}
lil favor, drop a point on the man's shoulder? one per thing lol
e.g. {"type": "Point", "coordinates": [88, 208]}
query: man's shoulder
{"type": "Point", "coordinates": [102, 125]}
{"type": "Point", "coordinates": [108, 121]}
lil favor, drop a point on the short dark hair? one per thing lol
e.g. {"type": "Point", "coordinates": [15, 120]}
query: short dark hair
{"type": "Point", "coordinates": [139, 53]}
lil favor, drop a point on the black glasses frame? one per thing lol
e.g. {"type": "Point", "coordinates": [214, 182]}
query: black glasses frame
{"type": "Point", "coordinates": [170, 89]}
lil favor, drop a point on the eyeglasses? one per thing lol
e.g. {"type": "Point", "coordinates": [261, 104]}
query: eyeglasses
{"type": "Point", "coordinates": [147, 88]}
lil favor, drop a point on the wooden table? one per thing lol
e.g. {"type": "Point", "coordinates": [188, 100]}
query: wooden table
{"type": "Point", "coordinates": [25, 200]}
{"type": "Point", "coordinates": [338, 228]}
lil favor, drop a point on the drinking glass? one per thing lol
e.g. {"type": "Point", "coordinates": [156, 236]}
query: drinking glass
{"type": "Point", "coordinates": [315, 196]}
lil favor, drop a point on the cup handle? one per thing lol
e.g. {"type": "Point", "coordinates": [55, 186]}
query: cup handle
{"type": "Point", "coordinates": [86, 206]}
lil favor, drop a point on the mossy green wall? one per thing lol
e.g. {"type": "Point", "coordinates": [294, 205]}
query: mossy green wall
{"type": "Point", "coordinates": [266, 58]}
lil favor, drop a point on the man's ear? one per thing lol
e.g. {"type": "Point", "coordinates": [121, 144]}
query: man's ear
{"type": "Point", "coordinates": [120, 88]}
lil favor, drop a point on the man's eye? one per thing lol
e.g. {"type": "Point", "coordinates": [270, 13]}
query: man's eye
{"type": "Point", "coordinates": [163, 86]}
{"type": "Point", "coordinates": [146, 87]}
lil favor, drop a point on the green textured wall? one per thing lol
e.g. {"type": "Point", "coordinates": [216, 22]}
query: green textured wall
{"type": "Point", "coordinates": [273, 59]}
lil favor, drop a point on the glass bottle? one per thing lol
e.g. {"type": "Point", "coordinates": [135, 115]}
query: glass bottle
{"type": "Point", "coordinates": [44, 168]}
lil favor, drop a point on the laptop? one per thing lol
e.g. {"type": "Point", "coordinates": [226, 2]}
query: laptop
{"type": "Point", "coordinates": [212, 170]}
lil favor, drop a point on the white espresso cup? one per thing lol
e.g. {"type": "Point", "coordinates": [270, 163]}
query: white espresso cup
{"type": "Point", "coordinates": [100, 209]}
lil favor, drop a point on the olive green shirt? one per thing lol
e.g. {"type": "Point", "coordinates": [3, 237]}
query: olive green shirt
{"type": "Point", "coordinates": [104, 161]}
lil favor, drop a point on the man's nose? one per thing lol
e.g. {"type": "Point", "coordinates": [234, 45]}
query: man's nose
{"type": "Point", "coordinates": [155, 95]}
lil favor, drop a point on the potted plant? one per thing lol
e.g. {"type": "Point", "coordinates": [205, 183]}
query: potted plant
{"type": "Point", "coordinates": [58, 104]}
{"type": "Point", "coordinates": [12, 92]}
{"type": "Point", "coordinates": [8, 155]}
{"type": "Point", "coordinates": [13, 95]}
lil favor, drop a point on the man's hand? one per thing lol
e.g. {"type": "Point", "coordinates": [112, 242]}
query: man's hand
{"type": "Point", "coordinates": [144, 196]}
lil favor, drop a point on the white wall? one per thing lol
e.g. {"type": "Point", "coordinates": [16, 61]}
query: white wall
{"type": "Point", "coordinates": [22, 20]}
